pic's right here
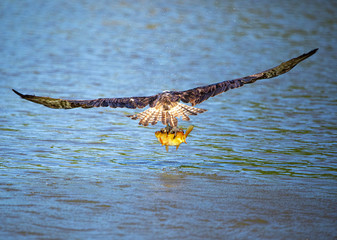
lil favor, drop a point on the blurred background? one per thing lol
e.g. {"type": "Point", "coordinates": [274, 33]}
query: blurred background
{"type": "Point", "coordinates": [259, 164]}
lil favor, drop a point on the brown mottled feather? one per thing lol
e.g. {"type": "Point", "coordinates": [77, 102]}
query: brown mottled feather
{"type": "Point", "coordinates": [133, 102]}
{"type": "Point", "coordinates": [165, 107]}
{"type": "Point", "coordinates": [200, 94]}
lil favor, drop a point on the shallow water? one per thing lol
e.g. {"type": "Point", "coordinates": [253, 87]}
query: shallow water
{"type": "Point", "coordinates": [259, 164]}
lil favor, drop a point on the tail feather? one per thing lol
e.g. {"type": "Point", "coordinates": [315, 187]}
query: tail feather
{"type": "Point", "coordinates": [155, 117]}
{"type": "Point", "coordinates": [144, 121]}
{"type": "Point", "coordinates": [173, 120]}
{"type": "Point", "coordinates": [191, 110]}
{"type": "Point", "coordinates": [185, 117]}
{"type": "Point", "coordinates": [182, 113]}
{"type": "Point", "coordinates": [167, 117]}
{"type": "Point", "coordinates": [164, 118]}
{"type": "Point", "coordinates": [146, 117]}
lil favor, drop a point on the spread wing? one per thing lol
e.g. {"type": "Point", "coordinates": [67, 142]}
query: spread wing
{"type": "Point", "coordinates": [166, 104]}
{"type": "Point", "coordinates": [132, 102]}
{"type": "Point", "coordinates": [200, 94]}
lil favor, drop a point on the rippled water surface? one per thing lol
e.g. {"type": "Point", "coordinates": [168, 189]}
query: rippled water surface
{"type": "Point", "coordinates": [260, 163]}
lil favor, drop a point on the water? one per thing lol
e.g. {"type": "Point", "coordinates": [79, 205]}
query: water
{"type": "Point", "coordinates": [259, 164]}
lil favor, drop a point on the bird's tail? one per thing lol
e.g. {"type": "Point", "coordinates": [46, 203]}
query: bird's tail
{"type": "Point", "coordinates": [167, 117]}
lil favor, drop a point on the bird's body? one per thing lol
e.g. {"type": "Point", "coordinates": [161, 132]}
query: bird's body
{"type": "Point", "coordinates": [166, 107]}
{"type": "Point", "coordinates": [166, 110]}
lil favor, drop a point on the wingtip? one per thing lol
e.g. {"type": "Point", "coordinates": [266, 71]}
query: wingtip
{"type": "Point", "coordinates": [314, 51]}
{"type": "Point", "coordinates": [293, 62]}
{"type": "Point", "coordinates": [16, 92]}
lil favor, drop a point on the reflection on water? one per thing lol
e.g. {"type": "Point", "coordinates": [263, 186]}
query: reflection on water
{"type": "Point", "coordinates": [260, 163]}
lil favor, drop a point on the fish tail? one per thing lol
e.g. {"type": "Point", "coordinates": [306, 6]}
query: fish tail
{"type": "Point", "coordinates": [189, 129]}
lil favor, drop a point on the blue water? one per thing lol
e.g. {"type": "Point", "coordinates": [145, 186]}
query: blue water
{"type": "Point", "coordinates": [260, 163]}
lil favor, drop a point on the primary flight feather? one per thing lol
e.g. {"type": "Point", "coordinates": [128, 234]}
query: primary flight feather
{"type": "Point", "coordinates": [166, 107]}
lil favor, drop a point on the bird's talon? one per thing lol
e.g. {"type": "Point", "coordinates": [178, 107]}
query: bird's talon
{"type": "Point", "coordinates": [166, 129]}
{"type": "Point", "coordinates": [175, 130]}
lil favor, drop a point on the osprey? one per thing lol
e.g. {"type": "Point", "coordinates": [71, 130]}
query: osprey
{"type": "Point", "coordinates": [166, 107]}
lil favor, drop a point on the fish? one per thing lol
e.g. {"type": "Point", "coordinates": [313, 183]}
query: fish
{"type": "Point", "coordinates": [173, 139]}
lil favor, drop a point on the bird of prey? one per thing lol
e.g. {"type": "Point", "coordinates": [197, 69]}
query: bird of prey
{"type": "Point", "coordinates": [166, 107]}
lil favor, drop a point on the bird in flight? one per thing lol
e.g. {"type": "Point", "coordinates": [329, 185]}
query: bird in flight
{"type": "Point", "coordinates": [166, 107]}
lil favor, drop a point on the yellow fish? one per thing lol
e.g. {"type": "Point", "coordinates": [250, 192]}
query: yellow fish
{"type": "Point", "coordinates": [170, 139]}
